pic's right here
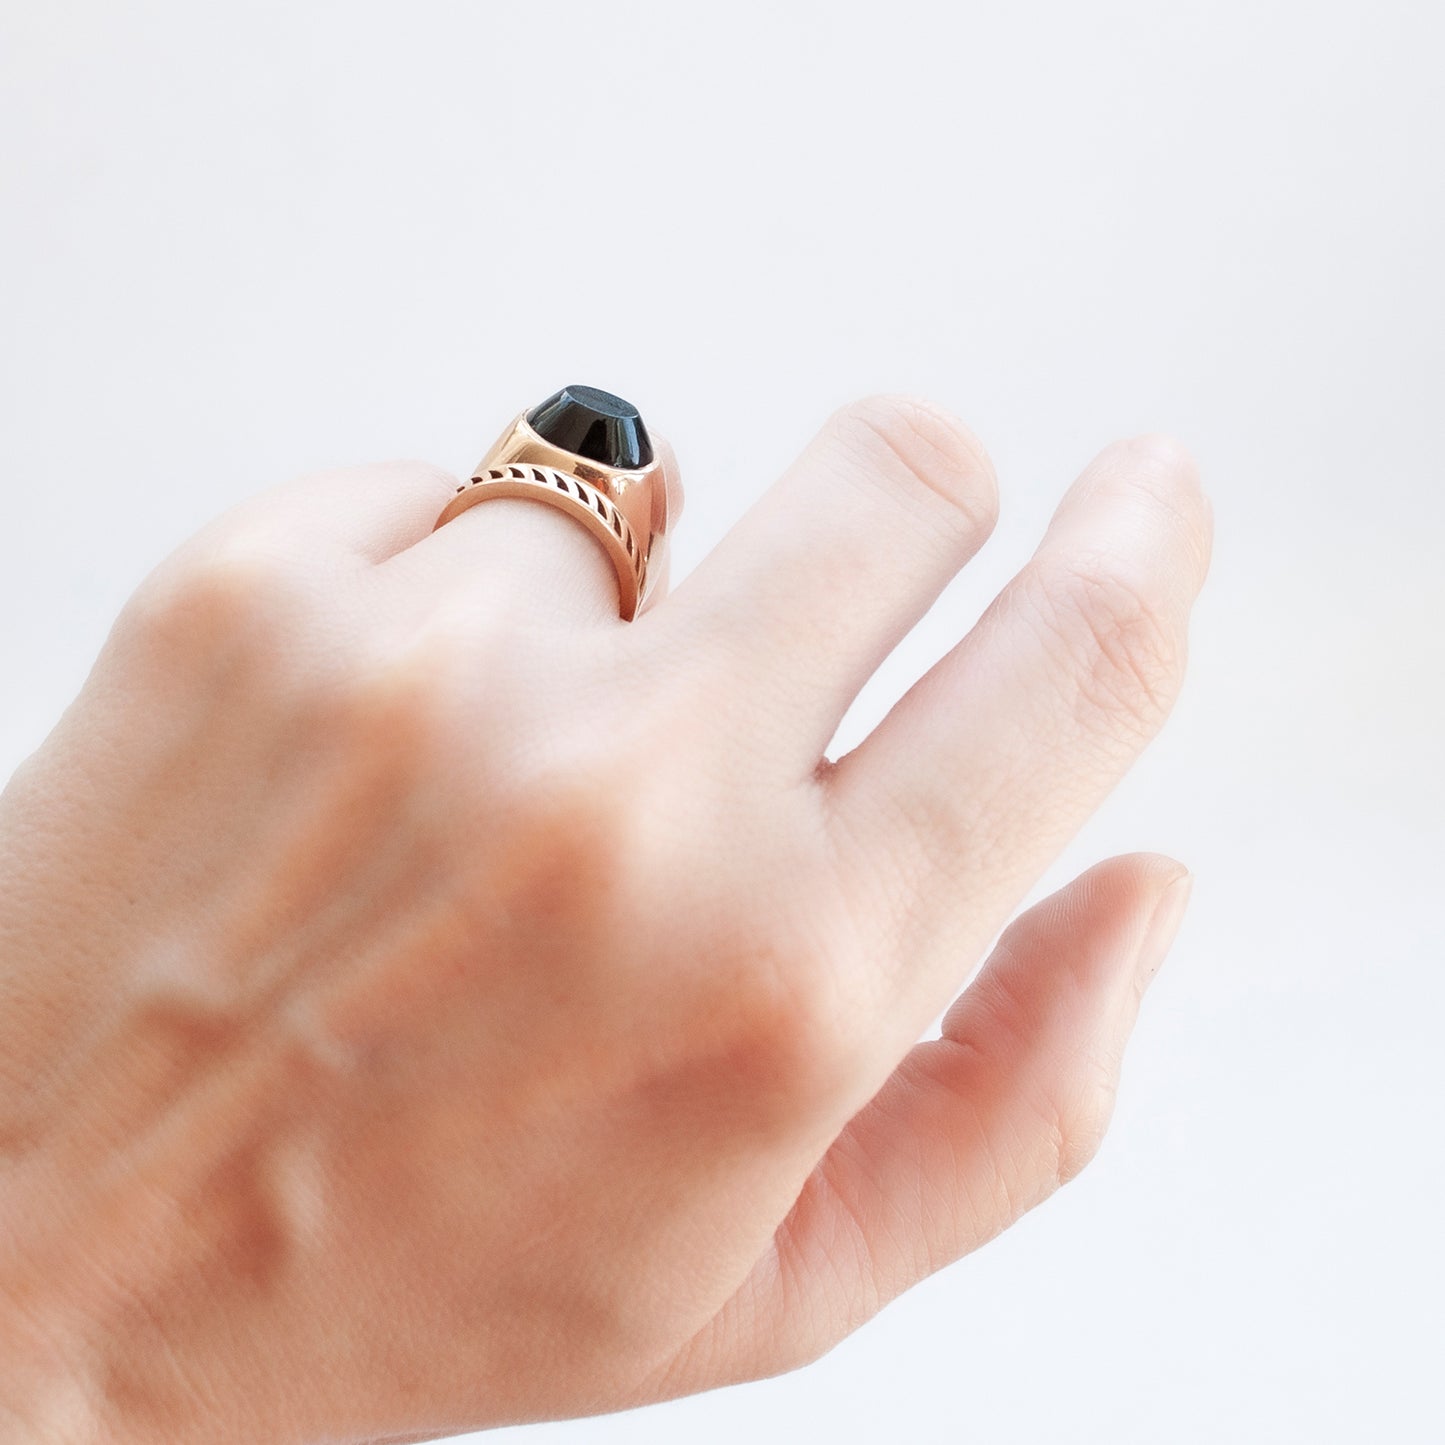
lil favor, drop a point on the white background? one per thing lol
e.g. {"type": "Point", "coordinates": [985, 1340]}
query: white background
{"type": "Point", "coordinates": [241, 241]}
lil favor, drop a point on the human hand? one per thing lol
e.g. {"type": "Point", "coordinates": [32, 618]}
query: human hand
{"type": "Point", "coordinates": [429, 1002]}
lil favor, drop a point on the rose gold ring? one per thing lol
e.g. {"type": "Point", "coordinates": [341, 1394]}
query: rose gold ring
{"type": "Point", "coordinates": [587, 453]}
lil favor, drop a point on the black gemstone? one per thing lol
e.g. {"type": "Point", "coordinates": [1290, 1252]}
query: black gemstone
{"type": "Point", "coordinates": [593, 424]}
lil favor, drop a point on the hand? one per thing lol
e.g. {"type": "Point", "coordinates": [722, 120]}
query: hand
{"type": "Point", "coordinates": [428, 1001]}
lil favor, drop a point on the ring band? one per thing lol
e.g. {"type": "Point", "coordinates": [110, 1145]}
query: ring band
{"type": "Point", "coordinates": [590, 506]}
{"type": "Point", "coordinates": [587, 453]}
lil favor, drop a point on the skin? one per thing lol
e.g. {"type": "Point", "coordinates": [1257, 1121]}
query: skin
{"type": "Point", "coordinates": [428, 1002]}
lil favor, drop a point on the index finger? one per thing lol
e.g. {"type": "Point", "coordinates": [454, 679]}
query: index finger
{"type": "Point", "coordinates": [955, 804]}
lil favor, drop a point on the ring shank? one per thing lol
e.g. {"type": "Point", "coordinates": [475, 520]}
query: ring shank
{"type": "Point", "coordinates": [602, 517]}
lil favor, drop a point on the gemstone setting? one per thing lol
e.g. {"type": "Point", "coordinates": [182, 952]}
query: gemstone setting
{"type": "Point", "coordinates": [595, 424]}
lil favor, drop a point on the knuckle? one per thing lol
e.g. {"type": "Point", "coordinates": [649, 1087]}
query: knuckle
{"type": "Point", "coordinates": [578, 847]}
{"type": "Point", "coordinates": [782, 1037]}
{"type": "Point", "coordinates": [927, 456]}
{"type": "Point", "coordinates": [1075, 1130]}
{"type": "Point", "coordinates": [400, 697]}
{"type": "Point", "coordinates": [1062, 1113]}
{"type": "Point", "coordinates": [237, 590]}
{"type": "Point", "coordinates": [403, 717]}
{"type": "Point", "coordinates": [1125, 646]}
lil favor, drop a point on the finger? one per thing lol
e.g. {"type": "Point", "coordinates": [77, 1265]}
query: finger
{"type": "Point", "coordinates": [516, 555]}
{"type": "Point", "coordinates": [368, 512]}
{"type": "Point", "coordinates": [954, 805]}
{"type": "Point", "coordinates": [798, 605]}
{"type": "Point", "coordinates": [973, 1129]}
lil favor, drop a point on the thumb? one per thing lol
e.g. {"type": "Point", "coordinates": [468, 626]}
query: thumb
{"type": "Point", "coordinates": [972, 1129]}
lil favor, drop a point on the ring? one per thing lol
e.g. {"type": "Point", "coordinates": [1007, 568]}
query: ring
{"type": "Point", "coordinates": [586, 452]}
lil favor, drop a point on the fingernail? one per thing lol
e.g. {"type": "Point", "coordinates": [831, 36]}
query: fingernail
{"type": "Point", "coordinates": [1168, 914]}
